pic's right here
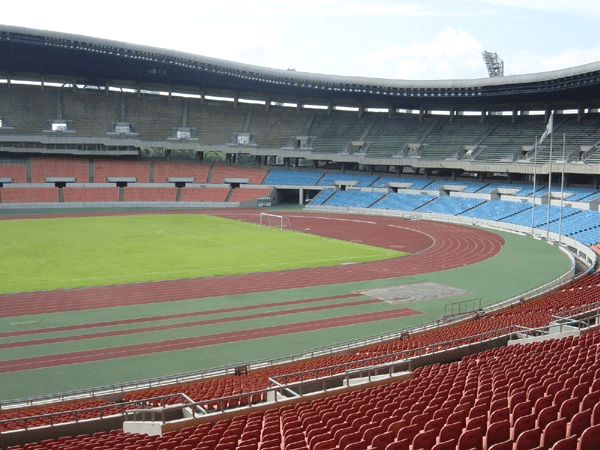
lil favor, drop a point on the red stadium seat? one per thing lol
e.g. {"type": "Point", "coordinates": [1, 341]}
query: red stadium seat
{"type": "Point", "coordinates": [497, 432]}
{"type": "Point", "coordinates": [590, 439]}
{"type": "Point", "coordinates": [554, 432]}
{"type": "Point", "coordinates": [528, 439]}
{"type": "Point", "coordinates": [569, 443]}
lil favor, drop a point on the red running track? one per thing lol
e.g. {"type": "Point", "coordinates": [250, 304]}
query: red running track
{"type": "Point", "coordinates": [198, 341]}
{"type": "Point", "coordinates": [434, 246]}
{"type": "Point", "coordinates": [196, 323]}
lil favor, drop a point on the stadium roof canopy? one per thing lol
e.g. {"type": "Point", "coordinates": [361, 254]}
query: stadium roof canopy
{"type": "Point", "coordinates": [92, 61]}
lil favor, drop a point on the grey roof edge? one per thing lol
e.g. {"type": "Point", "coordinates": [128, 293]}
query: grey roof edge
{"type": "Point", "coordinates": [316, 77]}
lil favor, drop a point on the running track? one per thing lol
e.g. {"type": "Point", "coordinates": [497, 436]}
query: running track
{"type": "Point", "coordinates": [433, 246]}
{"type": "Point", "coordinates": [198, 341]}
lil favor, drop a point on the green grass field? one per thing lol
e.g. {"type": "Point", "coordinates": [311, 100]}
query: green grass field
{"type": "Point", "coordinates": [62, 253]}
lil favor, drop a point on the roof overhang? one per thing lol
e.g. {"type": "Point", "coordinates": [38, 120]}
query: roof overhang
{"type": "Point", "coordinates": [97, 61]}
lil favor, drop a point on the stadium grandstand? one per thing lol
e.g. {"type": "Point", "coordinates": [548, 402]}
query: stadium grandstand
{"type": "Point", "coordinates": [88, 124]}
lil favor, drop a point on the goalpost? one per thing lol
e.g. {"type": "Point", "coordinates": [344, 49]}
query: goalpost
{"type": "Point", "coordinates": [275, 221]}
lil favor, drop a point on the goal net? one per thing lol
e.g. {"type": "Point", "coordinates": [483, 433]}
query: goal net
{"type": "Point", "coordinates": [275, 221]}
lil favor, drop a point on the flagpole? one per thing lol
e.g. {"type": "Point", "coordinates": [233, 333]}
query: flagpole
{"type": "Point", "coordinates": [549, 185]}
{"type": "Point", "coordinates": [562, 186]}
{"type": "Point", "coordinates": [534, 177]}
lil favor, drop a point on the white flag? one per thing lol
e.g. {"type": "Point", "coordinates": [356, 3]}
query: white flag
{"type": "Point", "coordinates": [548, 129]}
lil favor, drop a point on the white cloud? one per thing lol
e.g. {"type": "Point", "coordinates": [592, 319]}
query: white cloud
{"type": "Point", "coordinates": [574, 7]}
{"type": "Point", "coordinates": [451, 54]}
{"type": "Point", "coordinates": [334, 8]}
{"type": "Point", "coordinates": [527, 62]}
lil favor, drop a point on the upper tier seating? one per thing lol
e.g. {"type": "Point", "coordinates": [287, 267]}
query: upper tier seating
{"type": "Point", "coordinates": [508, 136]}
{"type": "Point", "coordinates": [448, 139]}
{"type": "Point", "coordinates": [332, 132]}
{"type": "Point", "coordinates": [274, 130]}
{"type": "Point", "coordinates": [389, 137]}
{"type": "Point", "coordinates": [215, 122]}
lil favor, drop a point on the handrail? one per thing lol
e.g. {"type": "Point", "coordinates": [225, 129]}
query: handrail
{"type": "Point", "coordinates": [78, 412]}
{"type": "Point", "coordinates": [404, 354]}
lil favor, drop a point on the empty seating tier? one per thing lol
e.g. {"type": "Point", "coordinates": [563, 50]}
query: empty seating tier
{"type": "Point", "coordinates": [29, 194]}
{"type": "Point", "coordinates": [252, 174]}
{"type": "Point", "coordinates": [163, 170]}
{"type": "Point", "coordinates": [17, 172]}
{"type": "Point", "coordinates": [91, 194]}
{"type": "Point", "coordinates": [204, 194]}
{"type": "Point", "coordinates": [43, 168]}
{"type": "Point", "coordinates": [293, 177]}
{"type": "Point", "coordinates": [107, 168]}
{"type": "Point", "coordinates": [150, 194]}
{"type": "Point", "coordinates": [245, 194]}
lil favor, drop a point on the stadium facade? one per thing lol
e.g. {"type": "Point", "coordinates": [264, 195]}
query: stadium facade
{"type": "Point", "coordinates": [87, 96]}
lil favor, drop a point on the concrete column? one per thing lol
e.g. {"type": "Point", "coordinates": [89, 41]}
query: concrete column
{"type": "Point", "coordinates": [184, 118]}
{"type": "Point", "coordinates": [122, 109]}
{"type": "Point", "coordinates": [59, 110]}
{"type": "Point", "coordinates": [301, 199]}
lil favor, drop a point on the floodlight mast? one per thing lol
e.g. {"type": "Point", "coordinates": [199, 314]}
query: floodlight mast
{"type": "Point", "coordinates": [495, 65]}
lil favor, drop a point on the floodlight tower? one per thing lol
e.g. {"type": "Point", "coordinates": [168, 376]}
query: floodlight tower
{"type": "Point", "coordinates": [495, 65]}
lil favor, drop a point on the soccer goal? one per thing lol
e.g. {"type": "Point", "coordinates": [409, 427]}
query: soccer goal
{"type": "Point", "coordinates": [275, 221]}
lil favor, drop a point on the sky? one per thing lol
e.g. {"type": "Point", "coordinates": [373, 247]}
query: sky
{"type": "Point", "coordinates": [394, 39]}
